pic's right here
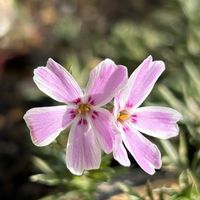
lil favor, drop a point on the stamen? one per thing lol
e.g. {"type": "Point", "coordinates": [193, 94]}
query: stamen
{"type": "Point", "coordinates": [123, 116]}
{"type": "Point", "coordinates": [83, 108]}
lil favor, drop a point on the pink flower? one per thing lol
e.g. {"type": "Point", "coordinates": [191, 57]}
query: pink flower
{"type": "Point", "coordinates": [155, 121]}
{"type": "Point", "coordinates": [91, 125]}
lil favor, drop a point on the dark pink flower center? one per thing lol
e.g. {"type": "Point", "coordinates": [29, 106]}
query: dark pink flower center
{"type": "Point", "coordinates": [94, 114]}
{"type": "Point", "coordinates": [91, 101]}
{"type": "Point", "coordinates": [83, 122]}
{"type": "Point", "coordinates": [134, 118]}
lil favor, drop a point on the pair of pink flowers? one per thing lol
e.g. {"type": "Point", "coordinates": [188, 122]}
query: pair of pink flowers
{"type": "Point", "coordinates": [94, 128]}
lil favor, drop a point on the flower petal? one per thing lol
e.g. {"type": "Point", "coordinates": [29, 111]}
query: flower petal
{"type": "Point", "coordinates": [57, 82]}
{"type": "Point", "coordinates": [145, 152]}
{"type": "Point", "coordinates": [140, 83]}
{"type": "Point", "coordinates": [46, 123]}
{"type": "Point", "coordinates": [106, 79]}
{"type": "Point", "coordinates": [101, 122]}
{"type": "Point", "coordinates": [119, 152]}
{"type": "Point", "coordinates": [83, 151]}
{"type": "Point", "coordinates": [160, 122]}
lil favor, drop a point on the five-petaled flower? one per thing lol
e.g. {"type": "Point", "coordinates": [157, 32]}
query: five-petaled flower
{"type": "Point", "coordinates": [91, 125]}
{"type": "Point", "coordinates": [160, 122]}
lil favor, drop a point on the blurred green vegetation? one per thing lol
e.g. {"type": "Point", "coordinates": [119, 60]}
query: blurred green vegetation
{"type": "Point", "coordinates": [170, 31]}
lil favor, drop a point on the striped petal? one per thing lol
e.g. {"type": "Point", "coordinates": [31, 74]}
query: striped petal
{"type": "Point", "coordinates": [57, 82]}
{"type": "Point", "coordinates": [160, 122]}
{"type": "Point", "coordinates": [46, 123]}
{"type": "Point", "coordinates": [119, 151]}
{"type": "Point", "coordinates": [101, 122]}
{"type": "Point", "coordinates": [146, 154]}
{"type": "Point", "coordinates": [83, 151]}
{"type": "Point", "coordinates": [140, 84]}
{"type": "Point", "coordinates": [106, 79]}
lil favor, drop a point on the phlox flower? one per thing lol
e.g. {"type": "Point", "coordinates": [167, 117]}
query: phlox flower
{"type": "Point", "coordinates": [91, 125]}
{"type": "Point", "coordinates": [156, 121]}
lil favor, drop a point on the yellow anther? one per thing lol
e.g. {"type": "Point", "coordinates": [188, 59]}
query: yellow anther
{"type": "Point", "coordinates": [83, 108]}
{"type": "Point", "coordinates": [122, 116]}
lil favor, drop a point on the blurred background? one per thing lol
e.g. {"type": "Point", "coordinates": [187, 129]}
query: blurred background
{"type": "Point", "coordinates": [78, 34]}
